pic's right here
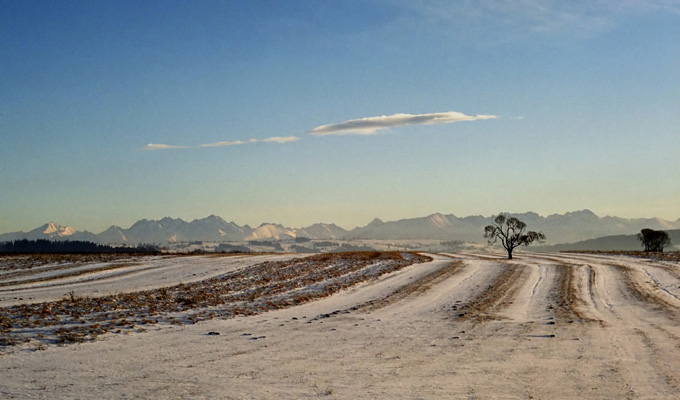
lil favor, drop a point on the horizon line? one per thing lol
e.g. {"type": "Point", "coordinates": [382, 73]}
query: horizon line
{"type": "Point", "coordinates": [333, 223]}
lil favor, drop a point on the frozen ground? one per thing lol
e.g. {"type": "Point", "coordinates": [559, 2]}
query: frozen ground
{"type": "Point", "coordinates": [545, 326]}
{"type": "Point", "coordinates": [53, 281]}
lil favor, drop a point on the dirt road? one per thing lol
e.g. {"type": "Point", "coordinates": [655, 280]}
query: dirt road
{"type": "Point", "coordinates": [544, 326]}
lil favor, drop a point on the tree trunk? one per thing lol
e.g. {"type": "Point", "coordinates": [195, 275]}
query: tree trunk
{"type": "Point", "coordinates": [509, 254]}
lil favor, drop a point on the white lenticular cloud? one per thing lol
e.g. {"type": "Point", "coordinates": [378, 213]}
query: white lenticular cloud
{"type": "Point", "coordinates": [275, 139]}
{"type": "Point", "coordinates": [279, 139]}
{"type": "Point", "coordinates": [371, 125]}
{"type": "Point", "coordinates": [219, 144]}
{"type": "Point", "coordinates": [363, 126]}
{"type": "Point", "coordinates": [152, 146]}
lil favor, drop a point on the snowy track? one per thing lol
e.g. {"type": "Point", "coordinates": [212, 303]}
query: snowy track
{"type": "Point", "coordinates": [461, 326]}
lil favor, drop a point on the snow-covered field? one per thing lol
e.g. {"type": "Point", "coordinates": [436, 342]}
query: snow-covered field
{"type": "Point", "coordinates": [545, 326]}
{"type": "Point", "coordinates": [53, 281]}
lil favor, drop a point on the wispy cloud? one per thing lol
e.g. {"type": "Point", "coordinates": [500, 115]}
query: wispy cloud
{"type": "Point", "coordinates": [525, 19]}
{"type": "Point", "coordinates": [371, 125]}
{"type": "Point", "coordinates": [279, 139]}
{"type": "Point", "coordinates": [275, 139]}
{"type": "Point", "coordinates": [152, 146]}
{"type": "Point", "coordinates": [363, 126]}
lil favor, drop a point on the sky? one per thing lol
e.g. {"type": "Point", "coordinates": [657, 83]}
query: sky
{"type": "Point", "coordinates": [336, 111]}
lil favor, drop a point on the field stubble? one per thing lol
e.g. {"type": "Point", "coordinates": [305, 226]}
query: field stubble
{"type": "Point", "coordinates": [249, 291]}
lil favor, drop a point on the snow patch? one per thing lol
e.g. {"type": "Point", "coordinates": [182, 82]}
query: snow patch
{"type": "Point", "coordinates": [54, 229]}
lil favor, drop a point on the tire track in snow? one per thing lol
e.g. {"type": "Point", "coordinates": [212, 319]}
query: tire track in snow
{"type": "Point", "coordinates": [632, 314]}
{"type": "Point", "coordinates": [415, 288]}
{"type": "Point", "coordinates": [496, 296]}
{"type": "Point", "coordinates": [645, 291]}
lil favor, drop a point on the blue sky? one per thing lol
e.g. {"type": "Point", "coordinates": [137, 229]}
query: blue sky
{"type": "Point", "coordinates": [336, 111]}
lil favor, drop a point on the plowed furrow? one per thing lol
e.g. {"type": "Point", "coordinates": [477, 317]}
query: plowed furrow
{"type": "Point", "coordinates": [645, 293]}
{"type": "Point", "coordinates": [73, 274]}
{"type": "Point", "coordinates": [415, 288]}
{"type": "Point", "coordinates": [495, 297]}
{"type": "Point", "coordinates": [574, 291]}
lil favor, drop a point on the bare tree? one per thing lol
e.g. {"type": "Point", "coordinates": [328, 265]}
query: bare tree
{"type": "Point", "coordinates": [511, 233]}
{"type": "Point", "coordinates": [654, 241]}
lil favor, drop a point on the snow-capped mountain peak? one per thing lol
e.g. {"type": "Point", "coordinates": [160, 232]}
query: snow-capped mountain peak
{"type": "Point", "coordinates": [559, 228]}
{"type": "Point", "coordinates": [439, 220]}
{"type": "Point", "coordinates": [268, 231]}
{"type": "Point", "coordinates": [53, 229]}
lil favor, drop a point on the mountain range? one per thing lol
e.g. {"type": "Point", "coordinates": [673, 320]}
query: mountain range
{"type": "Point", "coordinates": [558, 228]}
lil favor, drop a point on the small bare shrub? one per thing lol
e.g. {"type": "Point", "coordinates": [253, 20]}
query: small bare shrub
{"type": "Point", "coordinates": [7, 340]}
{"type": "Point", "coordinates": [72, 297]}
{"type": "Point", "coordinates": [66, 337]}
{"type": "Point", "coordinates": [5, 324]}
